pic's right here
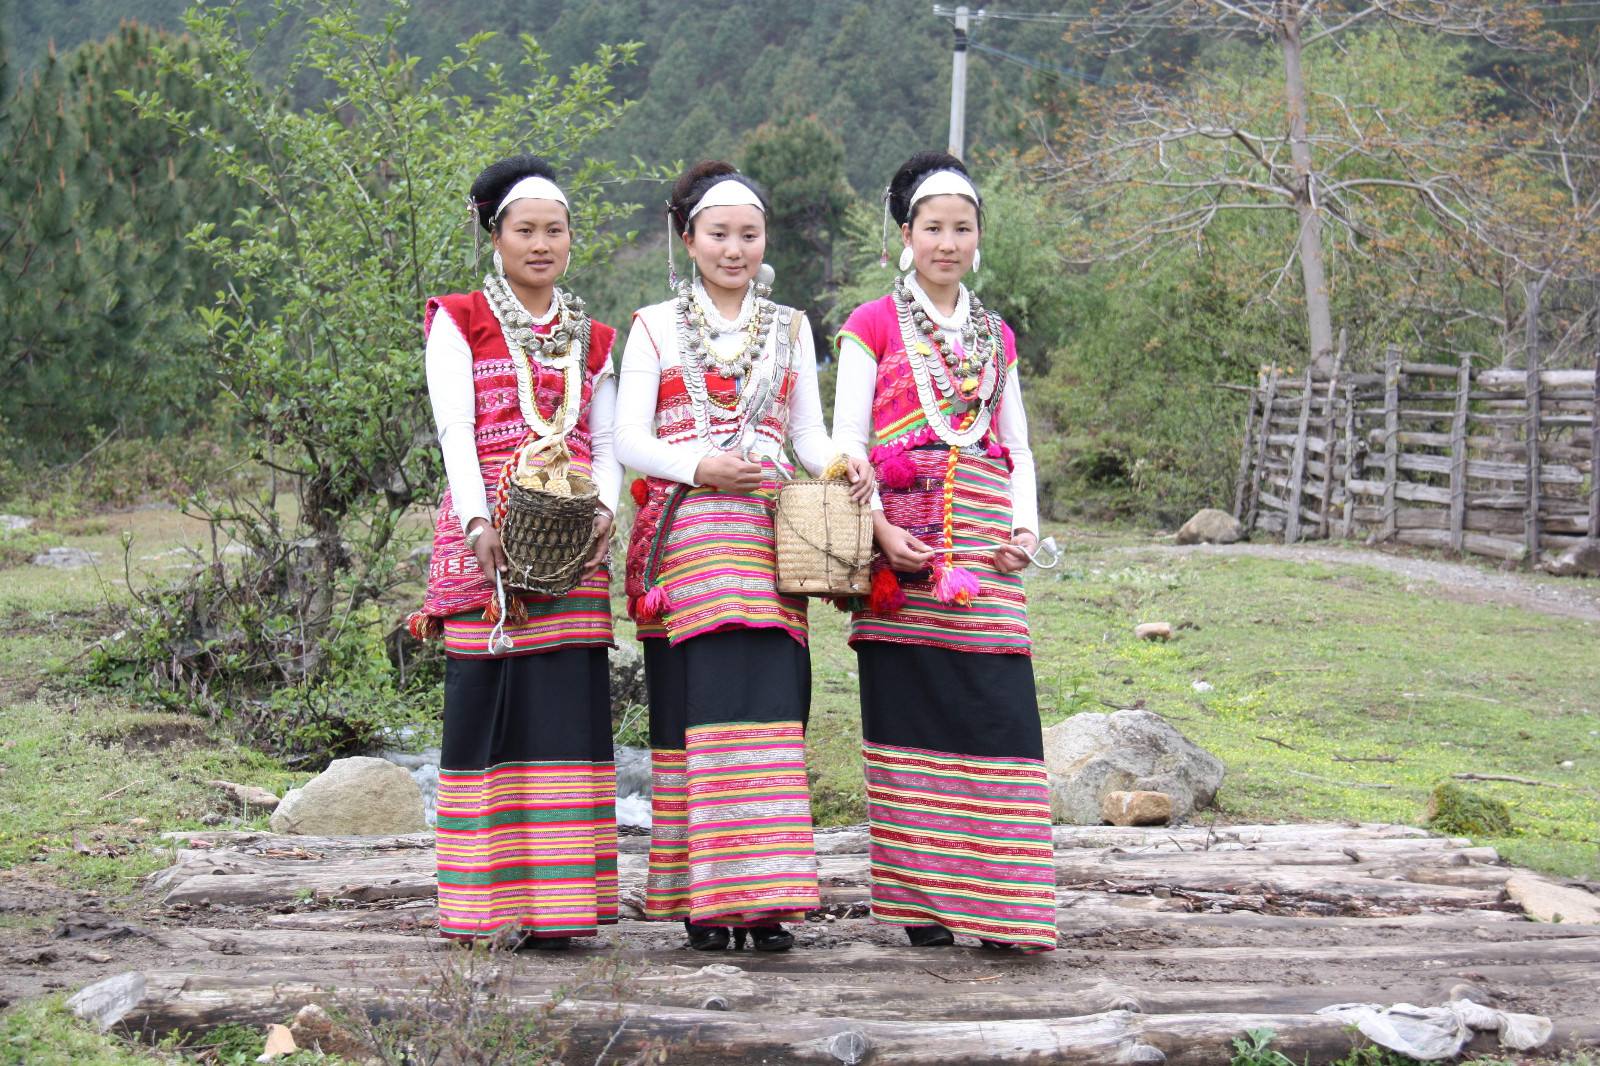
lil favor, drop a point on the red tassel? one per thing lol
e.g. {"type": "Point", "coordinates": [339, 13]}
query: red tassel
{"type": "Point", "coordinates": [653, 604]}
{"type": "Point", "coordinates": [641, 490]}
{"type": "Point", "coordinates": [423, 626]}
{"type": "Point", "coordinates": [955, 585]}
{"type": "Point", "coordinates": [897, 472]}
{"type": "Point", "coordinates": [491, 613]}
{"type": "Point", "coordinates": [886, 596]}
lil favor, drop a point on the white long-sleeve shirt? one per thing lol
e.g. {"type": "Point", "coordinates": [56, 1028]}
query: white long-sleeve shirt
{"type": "Point", "coordinates": [448, 360]}
{"type": "Point", "coordinates": [852, 425]}
{"type": "Point", "coordinates": [652, 348]}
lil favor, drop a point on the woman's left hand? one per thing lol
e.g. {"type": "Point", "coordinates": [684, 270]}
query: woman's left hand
{"type": "Point", "coordinates": [602, 542]}
{"type": "Point", "coordinates": [863, 480]}
{"type": "Point", "coordinates": [1014, 556]}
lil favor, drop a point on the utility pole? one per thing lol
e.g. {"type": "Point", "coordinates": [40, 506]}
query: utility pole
{"type": "Point", "coordinates": [964, 18]}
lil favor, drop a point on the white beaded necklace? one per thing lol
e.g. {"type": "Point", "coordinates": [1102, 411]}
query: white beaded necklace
{"type": "Point", "coordinates": [564, 348]}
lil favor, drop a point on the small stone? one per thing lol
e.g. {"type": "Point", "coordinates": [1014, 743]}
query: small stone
{"type": "Point", "coordinates": [1136, 808]}
{"type": "Point", "coordinates": [1211, 526]}
{"type": "Point", "coordinates": [1567, 764]}
{"type": "Point", "coordinates": [64, 558]}
{"type": "Point", "coordinates": [280, 1042]}
{"type": "Point", "coordinates": [250, 796]}
{"type": "Point", "coordinates": [10, 523]}
{"type": "Point", "coordinates": [1153, 631]}
{"type": "Point", "coordinates": [1201, 686]}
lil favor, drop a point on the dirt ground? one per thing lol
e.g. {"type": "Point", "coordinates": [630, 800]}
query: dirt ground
{"type": "Point", "coordinates": [1170, 939]}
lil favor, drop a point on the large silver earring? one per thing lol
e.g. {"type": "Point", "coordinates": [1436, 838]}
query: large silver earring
{"type": "Point", "coordinates": [499, 264]}
{"type": "Point", "coordinates": [672, 239]}
{"type": "Point", "coordinates": [977, 257]}
{"type": "Point", "coordinates": [906, 258]}
{"type": "Point", "coordinates": [883, 252]}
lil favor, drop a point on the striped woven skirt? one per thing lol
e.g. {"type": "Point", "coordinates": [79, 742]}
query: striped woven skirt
{"type": "Point", "coordinates": [957, 796]}
{"type": "Point", "coordinates": [527, 833]}
{"type": "Point", "coordinates": [731, 839]}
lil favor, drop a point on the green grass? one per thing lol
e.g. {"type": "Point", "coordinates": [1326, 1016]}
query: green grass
{"type": "Point", "coordinates": [43, 1032]}
{"type": "Point", "coordinates": [1329, 662]}
{"type": "Point", "coordinates": [88, 779]}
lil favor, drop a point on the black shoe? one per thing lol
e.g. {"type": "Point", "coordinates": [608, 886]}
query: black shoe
{"type": "Point", "coordinates": [740, 935]}
{"type": "Point", "coordinates": [545, 943]}
{"type": "Point", "coordinates": [771, 938]}
{"type": "Point", "coordinates": [997, 945]}
{"type": "Point", "coordinates": [706, 937]}
{"type": "Point", "coordinates": [929, 936]}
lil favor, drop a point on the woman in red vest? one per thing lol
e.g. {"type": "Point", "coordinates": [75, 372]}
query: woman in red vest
{"type": "Point", "coordinates": [527, 793]}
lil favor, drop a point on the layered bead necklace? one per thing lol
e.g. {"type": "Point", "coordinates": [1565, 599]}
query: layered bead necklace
{"type": "Point", "coordinates": [564, 348]}
{"type": "Point", "coordinates": [971, 375]}
{"type": "Point", "coordinates": [696, 333]}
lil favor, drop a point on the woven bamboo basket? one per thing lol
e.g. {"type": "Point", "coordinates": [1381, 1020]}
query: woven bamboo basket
{"type": "Point", "coordinates": [824, 540]}
{"type": "Point", "coordinates": [546, 535]}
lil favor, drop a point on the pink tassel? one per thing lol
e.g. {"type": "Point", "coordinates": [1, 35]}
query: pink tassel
{"type": "Point", "coordinates": [654, 604]}
{"type": "Point", "coordinates": [897, 472]}
{"type": "Point", "coordinates": [955, 585]}
{"type": "Point", "coordinates": [995, 451]}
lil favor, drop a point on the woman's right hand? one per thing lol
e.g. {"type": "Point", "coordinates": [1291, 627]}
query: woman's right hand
{"type": "Point", "coordinates": [490, 555]}
{"type": "Point", "coordinates": [729, 472]}
{"type": "Point", "coordinates": [904, 552]}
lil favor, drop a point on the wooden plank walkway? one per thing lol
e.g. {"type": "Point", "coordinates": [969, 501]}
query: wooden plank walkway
{"type": "Point", "coordinates": [1173, 942]}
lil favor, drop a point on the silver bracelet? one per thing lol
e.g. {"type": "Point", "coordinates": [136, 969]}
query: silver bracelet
{"type": "Point", "coordinates": [473, 535]}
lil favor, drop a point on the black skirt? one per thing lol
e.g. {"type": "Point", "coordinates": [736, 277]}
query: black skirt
{"type": "Point", "coordinates": [938, 699]}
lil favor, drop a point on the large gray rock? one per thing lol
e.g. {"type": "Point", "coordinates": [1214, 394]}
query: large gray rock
{"type": "Point", "coordinates": [360, 796]}
{"type": "Point", "coordinates": [627, 679]}
{"type": "Point", "coordinates": [1092, 755]}
{"type": "Point", "coordinates": [1210, 526]}
{"type": "Point", "coordinates": [1582, 561]}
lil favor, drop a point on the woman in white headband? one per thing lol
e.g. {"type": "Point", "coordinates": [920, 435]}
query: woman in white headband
{"type": "Point", "coordinates": [956, 787]}
{"type": "Point", "coordinates": [527, 826]}
{"type": "Point", "coordinates": [714, 382]}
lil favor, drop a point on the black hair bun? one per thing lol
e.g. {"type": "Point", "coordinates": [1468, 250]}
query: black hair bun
{"type": "Point", "coordinates": [910, 175]}
{"type": "Point", "coordinates": [693, 184]}
{"type": "Point", "coordinates": [491, 186]}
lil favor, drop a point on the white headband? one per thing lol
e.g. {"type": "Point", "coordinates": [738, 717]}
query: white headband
{"type": "Point", "coordinates": [729, 192]}
{"type": "Point", "coordinates": [532, 187]}
{"type": "Point", "coordinates": [945, 183]}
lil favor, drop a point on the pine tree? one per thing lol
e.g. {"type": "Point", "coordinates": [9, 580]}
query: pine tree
{"type": "Point", "coordinates": [97, 280]}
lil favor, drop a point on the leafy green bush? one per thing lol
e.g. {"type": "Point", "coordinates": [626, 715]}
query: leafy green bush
{"type": "Point", "coordinates": [1458, 811]}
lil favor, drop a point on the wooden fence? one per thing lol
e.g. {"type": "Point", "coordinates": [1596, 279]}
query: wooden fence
{"type": "Point", "coordinates": [1496, 462]}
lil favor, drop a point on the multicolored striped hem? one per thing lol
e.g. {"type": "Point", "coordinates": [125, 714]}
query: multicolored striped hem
{"type": "Point", "coordinates": [527, 845]}
{"type": "Point", "coordinates": [962, 841]}
{"type": "Point", "coordinates": [581, 618]}
{"type": "Point", "coordinates": [731, 841]}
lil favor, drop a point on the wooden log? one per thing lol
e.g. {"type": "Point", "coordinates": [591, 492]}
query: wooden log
{"type": "Point", "coordinates": [1261, 450]}
{"type": "Point", "coordinates": [1347, 520]}
{"type": "Point", "coordinates": [1506, 380]}
{"type": "Point", "coordinates": [1476, 543]}
{"type": "Point", "coordinates": [1245, 452]}
{"type": "Point", "coordinates": [1428, 370]}
{"type": "Point", "coordinates": [1391, 440]}
{"type": "Point", "coordinates": [1532, 385]}
{"type": "Point", "coordinates": [1458, 455]}
{"type": "Point", "coordinates": [1297, 466]}
{"type": "Point", "coordinates": [1594, 461]}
